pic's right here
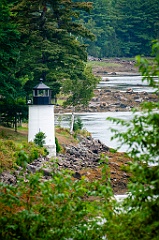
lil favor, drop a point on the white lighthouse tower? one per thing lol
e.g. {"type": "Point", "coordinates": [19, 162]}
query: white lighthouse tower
{"type": "Point", "coordinates": [41, 117]}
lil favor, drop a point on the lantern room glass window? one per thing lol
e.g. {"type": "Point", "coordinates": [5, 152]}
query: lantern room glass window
{"type": "Point", "coordinates": [41, 93]}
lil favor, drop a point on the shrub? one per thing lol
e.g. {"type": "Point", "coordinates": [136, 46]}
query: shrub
{"type": "Point", "coordinates": [40, 139]}
{"type": "Point", "coordinates": [58, 147]}
{"type": "Point", "coordinates": [34, 154]}
{"type": "Point", "coordinates": [27, 152]}
{"type": "Point", "coordinates": [78, 125]}
{"type": "Point", "coordinates": [22, 158]}
{"type": "Point", "coordinates": [57, 209]}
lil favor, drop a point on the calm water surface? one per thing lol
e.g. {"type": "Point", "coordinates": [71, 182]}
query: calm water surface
{"type": "Point", "coordinates": [122, 83]}
{"type": "Point", "coordinates": [97, 125]}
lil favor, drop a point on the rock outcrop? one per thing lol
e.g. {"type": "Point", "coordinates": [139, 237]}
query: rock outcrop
{"type": "Point", "coordinates": [84, 159]}
{"type": "Point", "coordinates": [106, 100]}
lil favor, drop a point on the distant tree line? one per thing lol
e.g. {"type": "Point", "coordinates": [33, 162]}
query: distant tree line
{"type": "Point", "coordinates": [122, 28]}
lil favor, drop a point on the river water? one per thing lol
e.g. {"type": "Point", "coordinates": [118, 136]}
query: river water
{"type": "Point", "coordinates": [122, 83]}
{"type": "Point", "coordinates": [96, 123]}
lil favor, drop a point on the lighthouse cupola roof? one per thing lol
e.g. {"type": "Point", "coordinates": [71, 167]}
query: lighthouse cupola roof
{"type": "Point", "coordinates": [41, 85]}
{"type": "Point", "coordinates": [41, 94]}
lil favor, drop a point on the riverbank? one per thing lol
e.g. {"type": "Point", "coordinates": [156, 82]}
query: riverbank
{"type": "Point", "coordinates": [108, 99]}
{"type": "Point", "coordinates": [113, 66]}
{"type": "Point", "coordinates": [83, 155]}
{"type": "Point", "coordinates": [87, 156]}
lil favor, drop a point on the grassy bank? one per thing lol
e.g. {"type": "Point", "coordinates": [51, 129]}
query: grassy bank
{"type": "Point", "coordinates": [15, 146]}
{"type": "Point", "coordinates": [113, 65]}
{"type": "Point", "coordinates": [15, 149]}
{"type": "Point", "coordinates": [95, 64]}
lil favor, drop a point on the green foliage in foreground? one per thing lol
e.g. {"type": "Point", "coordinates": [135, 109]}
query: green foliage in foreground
{"type": "Point", "coordinates": [12, 154]}
{"type": "Point", "coordinates": [139, 218]}
{"type": "Point", "coordinates": [61, 208]}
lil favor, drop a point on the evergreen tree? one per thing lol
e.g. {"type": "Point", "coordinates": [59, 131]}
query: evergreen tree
{"type": "Point", "coordinates": [49, 41]}
{"type": "Point", "coordinates": [11, 91]}
{"type": "Point", "coordinates": [122, 28]}
{"type": "Point", "coordinates": [8, 51]}
{"type": "Point", "coordinates": [137, 25]}
{"type": "Point", "coordinates": [101, 22]}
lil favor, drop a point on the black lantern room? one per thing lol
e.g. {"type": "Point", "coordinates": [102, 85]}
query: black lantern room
{"type": "Point", "coordinates": [41, 94]}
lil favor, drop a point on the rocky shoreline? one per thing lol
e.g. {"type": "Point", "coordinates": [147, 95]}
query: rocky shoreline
{"type": "Point", "coordinates": [105, 100]}
{"type": "Point", "coordinates": [86, 158]}
{"type": "Point", "coordinates": [110, 100]}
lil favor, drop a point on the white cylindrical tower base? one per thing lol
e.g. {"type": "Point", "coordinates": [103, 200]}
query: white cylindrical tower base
{"type": "Point", "coordinates": [41, 119]}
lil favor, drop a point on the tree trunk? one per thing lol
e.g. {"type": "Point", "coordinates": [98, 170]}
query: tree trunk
{"type": "Point", "coordinates": [15, 122]}
{"type": "Point", "coordinates": [72, 121]}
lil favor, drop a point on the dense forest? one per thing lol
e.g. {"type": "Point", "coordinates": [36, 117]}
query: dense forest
{"type": "Point", "coordinates": [122, 28]}
{"type": "Point", "coordinates": [52, 40]}
{"type": "Point", "coordinates": [39, 39]}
